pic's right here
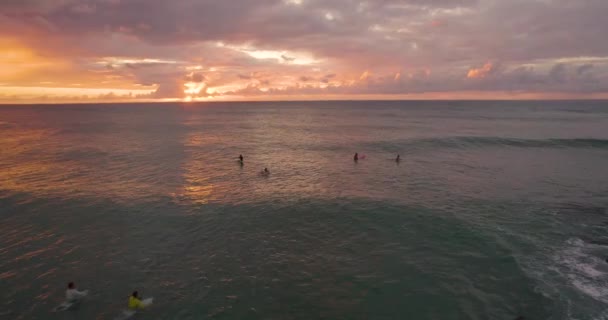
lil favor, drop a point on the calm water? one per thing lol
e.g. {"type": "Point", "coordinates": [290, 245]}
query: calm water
{"type": "Point", "coordinates": [498, 209]}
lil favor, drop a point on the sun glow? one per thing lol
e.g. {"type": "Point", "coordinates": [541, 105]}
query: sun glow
{"type": "Point", "coordinates": [194, 88]}
{"type": "Point", "coordinates": [281, 56]}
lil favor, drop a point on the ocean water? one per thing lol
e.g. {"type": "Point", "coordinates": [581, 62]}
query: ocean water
{"type": "Point", "coordinates": [497, 210]}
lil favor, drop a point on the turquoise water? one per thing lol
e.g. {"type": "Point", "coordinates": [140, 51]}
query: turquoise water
{"type": "Point", "coordinates": [497, 210]}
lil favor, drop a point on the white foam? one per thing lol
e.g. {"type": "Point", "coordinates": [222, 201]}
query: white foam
{"type": "Point", "coordinates": [581, 268]}
{"type": "Point", "coordinates": [575, 258]}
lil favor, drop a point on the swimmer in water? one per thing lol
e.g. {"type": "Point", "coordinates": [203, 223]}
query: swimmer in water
{"type": "Point", "coordinates": [356, 158]}
{"type": "Point", "coordinates": [135, 302]}
{"type": "Point", "coordinates": [72, 294]}
{"type": "Point", "coordinates": [398, 158]}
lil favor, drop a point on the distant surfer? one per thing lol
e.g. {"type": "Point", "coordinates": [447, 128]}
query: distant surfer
{"type": "Point", "coordinates": [241, 158]}
{"type": "Point", "coordinates": [356, 157]}
{"type": "Point", "coordinates": [265, 172]}
{"type": "Point", "coordinates": [73, 295]}
{"type": "Point", "coordinates": [135, 303]}
{"type": "Point", "coordinates": [398, 158]}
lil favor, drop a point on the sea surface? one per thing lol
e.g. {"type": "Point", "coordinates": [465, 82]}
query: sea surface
{"type": "Point", "coordinates": [497, 210]}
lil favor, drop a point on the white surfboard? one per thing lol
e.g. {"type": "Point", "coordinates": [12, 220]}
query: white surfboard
{"type": "Point", "coordinates": [147, 301]}
{"type": "Point", "coordinates": [66, 305]}
{"type": "Point", "coordinates": [126, 314]}
{"type": "Point", "coordinates": [63, 306]}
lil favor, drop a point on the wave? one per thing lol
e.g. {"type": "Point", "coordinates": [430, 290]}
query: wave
{"type": "Point", "coordinates": [482, 142]}
{"type": "Point", "coordinates": [584, 268]}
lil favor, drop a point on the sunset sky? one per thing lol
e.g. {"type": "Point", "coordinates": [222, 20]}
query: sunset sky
{"type": "Point", "coordinates": [141, 50]}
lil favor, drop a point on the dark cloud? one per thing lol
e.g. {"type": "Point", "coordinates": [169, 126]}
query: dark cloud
{"type": "Point", "coordinates": [286, 58]}
{"type": "Point", "coordinates": [584, 68]}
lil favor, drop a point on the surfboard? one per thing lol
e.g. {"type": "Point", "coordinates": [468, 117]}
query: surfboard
{"type": "Point", "coordinates": [147, 301]}
{"type": "Point", "coordinates": [126, 314]}
{"type": "Point", "coordinates": [63, 306]}
{"type": "Point", "coordinates": [66, 305]}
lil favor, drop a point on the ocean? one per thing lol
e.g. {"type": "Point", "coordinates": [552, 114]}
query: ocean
{"type": "Point", "coordinates": [496, 209]}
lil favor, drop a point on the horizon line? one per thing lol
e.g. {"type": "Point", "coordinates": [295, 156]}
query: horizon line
{"type": "Point", "coordinates": [289, 100]}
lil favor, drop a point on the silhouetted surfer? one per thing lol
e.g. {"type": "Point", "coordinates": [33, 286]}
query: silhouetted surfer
{"type": "Point", "coordinates": [356, 158]}
{"type": "Point", "coordinates": [241, 158]}
{"type": "Point", "coordinates": [72, 294]}
{"type": "Point", "coordinates": [398, 158]}
{"type": "Point", "coordinates": [72, 298]}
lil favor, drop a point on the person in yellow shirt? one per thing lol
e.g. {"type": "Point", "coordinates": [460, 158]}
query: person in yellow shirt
{"type": "Point", "coordinates": [135, 302]}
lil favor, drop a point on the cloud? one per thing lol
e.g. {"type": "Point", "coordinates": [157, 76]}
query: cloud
{"type": "Point", "coordinates": [584, 69]}
{"type": "Point", "coordinates": [291, 47]}
{"type": "Point", "coordinates": [481, 72]}
{"type": "Point", "coordinates": [286, 58]}
{"type": "Point", "coordinates": [365, 75]}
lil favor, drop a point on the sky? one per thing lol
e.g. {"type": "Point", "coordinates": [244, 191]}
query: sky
{"type": "Point", "coordinates": [54, 51]}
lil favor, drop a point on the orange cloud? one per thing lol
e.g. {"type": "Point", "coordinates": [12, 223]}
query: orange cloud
{"type": "Point", "coordinates": [480, 72]}
{"type": "Point", "coordinates": [18, 61]}
{"type": "Point", "coordinates": [364, 76]}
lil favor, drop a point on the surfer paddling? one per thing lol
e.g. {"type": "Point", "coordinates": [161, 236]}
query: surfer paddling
{"type": "Point", "coordinates": [134, 302]}
{"type": "Point", "coordinates": [72, 294]}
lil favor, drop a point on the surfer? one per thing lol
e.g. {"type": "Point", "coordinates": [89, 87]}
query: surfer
{"type": "Point", "coordinates": [265, 172]}
{"type": "Point", "coordinates": [135, 302]}
{"type": "Point", "coordinates": [356, 158]}
{"type": "Point", "coordinates": [241, 158]}
{"type": "Point", "coordinates": [72, 298]}
{"type": "Point", "coordinates": [398, 158]}
{"type": "Point", "coordinates": [72, 294]}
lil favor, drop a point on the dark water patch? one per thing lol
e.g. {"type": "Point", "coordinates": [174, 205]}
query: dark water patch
{"type": "Point", "coordinates": [580, 208]}
{"type": "Point", "coordinates": [485, 142]}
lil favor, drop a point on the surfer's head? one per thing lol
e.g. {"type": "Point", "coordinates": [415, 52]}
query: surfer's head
{"type": "Point", "coordinates": [71, 285]}
{"type": "Point", "coordinates": [134, 294]}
